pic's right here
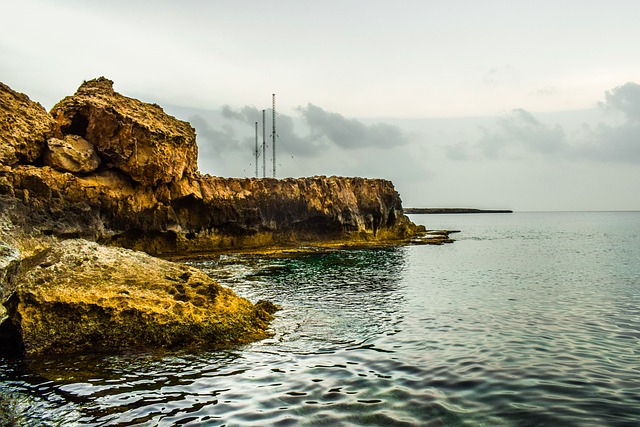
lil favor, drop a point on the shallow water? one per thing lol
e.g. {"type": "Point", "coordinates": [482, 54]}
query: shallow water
{"type": "Point", "coordinates": [527, 319]}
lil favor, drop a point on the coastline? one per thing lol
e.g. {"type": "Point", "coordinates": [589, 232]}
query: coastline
{"type": "Point", "coordinates": [94, 191]}
{"type": "Point", "coordinates": [431, 211]}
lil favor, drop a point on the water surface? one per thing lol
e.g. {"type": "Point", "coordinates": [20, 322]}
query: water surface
{"type": "Point", "coordinates": [527, 319]}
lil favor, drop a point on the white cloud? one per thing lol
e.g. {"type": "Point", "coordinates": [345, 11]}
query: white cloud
{"type": "Point", "coordinates": [521, 134]}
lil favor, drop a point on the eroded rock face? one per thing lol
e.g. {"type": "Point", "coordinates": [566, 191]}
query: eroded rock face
{"type": "Point", "coordinates": [138, 138]}
{"type": "Point", "coordinates": [81, 296]}
{"type": "Point", "coordinates": [74, 295]}
{"type": "Point", "coordinates": [9, 264]}
{"type": "Point", "coordinates": [207, 213]}
{"type": "Point", "coordinates": [71, 154]}
{"type": "Point", "coordinates": [25, 127]}
{"type": "Point", "coordinates": [146, 194]}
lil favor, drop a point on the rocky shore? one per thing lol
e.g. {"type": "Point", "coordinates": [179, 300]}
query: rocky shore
{"type": "Point", "coordinates": [438, 211]}
{"type": "Point", "coordinates": [102, 176]}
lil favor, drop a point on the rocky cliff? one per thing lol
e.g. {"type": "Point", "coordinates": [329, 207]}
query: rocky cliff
{"type": "Point", "coordinates": [121, 171]}
{"type": "Point", "coordinates": [104, 168]}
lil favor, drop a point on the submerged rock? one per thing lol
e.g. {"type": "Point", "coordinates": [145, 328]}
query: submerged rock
{"type": "Point", "coordinates": [81, 296]}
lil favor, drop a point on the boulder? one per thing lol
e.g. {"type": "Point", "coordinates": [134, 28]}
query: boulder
{"type": "Point", "coordinates": [83, 297]}
{"type": "Point", "coordinates": [71, 154]}
{"type": "Point", "coordinates": [25, 127]}
{"type": "Point", "coordinates": [140, 139]}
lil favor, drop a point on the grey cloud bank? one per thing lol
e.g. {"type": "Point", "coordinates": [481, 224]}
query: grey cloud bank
{"type": "Point", "coordinates": [320, 129]}
{"type": "Point", "coordinates": [351, 133]}
{"type": "Point", "coordinates": [615, 138]}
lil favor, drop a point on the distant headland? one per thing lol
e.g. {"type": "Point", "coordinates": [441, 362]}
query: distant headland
{"type": "Point", "coordinates": [453, 211]}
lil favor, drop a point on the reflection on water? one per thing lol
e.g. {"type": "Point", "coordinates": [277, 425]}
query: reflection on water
{"type": "Point", "coordinates": [354, 292]}
{"type": "Point", "coordinates": [527, 320]}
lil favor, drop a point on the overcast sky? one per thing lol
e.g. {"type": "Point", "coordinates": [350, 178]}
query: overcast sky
{"type": "Point", "coordinates": [490, 104]}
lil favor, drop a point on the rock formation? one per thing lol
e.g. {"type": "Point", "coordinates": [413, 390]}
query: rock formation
{"type": "Point", "coordinates": [147, 194]}
{"type": "Point", "coordinates": [114, 170]}
{"type": "Point", "coordinates": [141, 140]}
{"type": "Point", "coordinates": [71, 154]}
{"type": "Point", "coordinates": [25, 127]}
{"type": "Point", "coordinates": [80, 296]}
{"type": "Point", "coordinates": [66, 296]}
{"type": "Point", "coordinates": [206, 213]}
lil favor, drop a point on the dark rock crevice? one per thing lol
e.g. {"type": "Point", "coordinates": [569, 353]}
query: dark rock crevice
{"type": "Point", "coordinates": [77, 126]}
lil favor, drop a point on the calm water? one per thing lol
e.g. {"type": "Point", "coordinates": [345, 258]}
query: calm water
{"type": "Point", "coordinates": [527, 319]}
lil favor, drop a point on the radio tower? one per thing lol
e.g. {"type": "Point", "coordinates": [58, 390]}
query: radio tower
{"type": "Point", "coordinates": [274, 135]}
{"type": "Point", "coordinates": [264, 150]}
{"type": "Point", "coordinates": [256, 149]}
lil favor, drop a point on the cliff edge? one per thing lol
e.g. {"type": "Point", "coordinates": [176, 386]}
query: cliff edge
{"type": "Point", "coordinates": [123, 172]}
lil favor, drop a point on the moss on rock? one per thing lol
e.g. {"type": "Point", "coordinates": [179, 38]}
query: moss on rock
{"type": "Point", "coordinates": [85, 297]}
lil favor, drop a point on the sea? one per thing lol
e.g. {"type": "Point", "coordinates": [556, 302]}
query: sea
{"type": "Point", "coordinates": [527, 319]}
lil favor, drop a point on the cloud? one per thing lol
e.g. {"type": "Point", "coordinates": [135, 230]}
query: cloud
{"type": "Point", "coordinates": [325, 129]}
{"type": "Point", "coordinates": [286, 138]}
{"type": "Point", "coordinates": [457, 151]}
{"type": "Point", "coordinates": [213, 141]}
{"type": "Point", "coordinates": [626, 99]}
{"type": "Point", "coordinates": [351, 133]}
{"type": "Point", "coordinates": [606, 143]}
{"type": "Point", "coordinates": [616, 142]}
{"type": "Point", "coordinates": [520, 134]}
{"type": "Point", "coordinates": [504, 75]}
{"type": "Point", "coordinates": [247, 114]}
{"type": "Point", "coordinates": [522, 130]}
{"type": "Point", "coordinates": [547, 91]}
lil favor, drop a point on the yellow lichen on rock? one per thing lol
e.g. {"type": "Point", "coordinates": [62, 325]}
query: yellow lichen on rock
{"type": "Point", "coordinates": [85, 297]}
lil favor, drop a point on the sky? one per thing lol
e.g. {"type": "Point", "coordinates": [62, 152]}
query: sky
{"type": "Point", "coordinates": [495, 104]}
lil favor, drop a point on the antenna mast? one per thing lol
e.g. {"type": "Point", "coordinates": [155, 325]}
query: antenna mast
{"type": "Point", "coordinates": [256, 149]}
{"type": "Point", "coordinates": [274, 135]}
{"type": "Point", "coordinates": [264, 150]}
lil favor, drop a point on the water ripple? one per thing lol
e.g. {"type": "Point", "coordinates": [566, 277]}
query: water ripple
{"type": "Point", "coordinates": [505, 327]}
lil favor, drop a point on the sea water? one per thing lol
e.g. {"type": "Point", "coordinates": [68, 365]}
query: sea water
{"type": "Point", "coordinates": [528, 319]}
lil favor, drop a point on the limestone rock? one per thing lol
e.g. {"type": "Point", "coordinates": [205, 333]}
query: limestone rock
{"type": "Point", "coordinates": [71, 154]}
{"type": "Point", "coordinates": [138, 138]}
{"type": "Point", "coordinates": [25, 126]}
{"type": "Point", "coordinates": [81, 296]}
{"type": "Point", "coordinates": [207, 213]}
{"type": "Point", "coordinates": [9, 264]}
{"type": "Point", "coordinates": [3, 314]}
{"type": "Point", "coordinates": [147, 194]}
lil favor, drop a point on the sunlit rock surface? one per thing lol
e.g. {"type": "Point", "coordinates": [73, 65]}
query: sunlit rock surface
{"type": "Point", "coordinates": [73, 153]}
{"type": "Point", "coordinates": [147, 194]}
{"type": "Point", "coordinates": [81, 296]}
{"type": "Point", "coordinates": [25, 127]}
{"type": "Point", "coordinates": [138, 138]}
